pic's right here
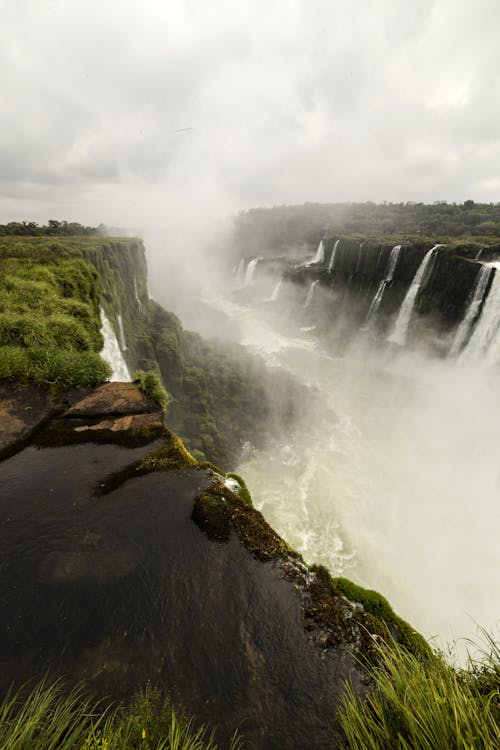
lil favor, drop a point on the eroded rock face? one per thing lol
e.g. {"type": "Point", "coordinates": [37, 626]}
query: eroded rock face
{"type": "Point", "coordinates": [105, 577]}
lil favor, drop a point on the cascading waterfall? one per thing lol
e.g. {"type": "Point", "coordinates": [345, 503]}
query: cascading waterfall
{"type": "Point", "coordinates": [310, 294]}
{"type": "Point", "coordinates": [122, 333]}
{"type": "Point", "coordinates": [331, 265]}
{"type": "Point", "coordinates": [360, 255]}
{"type": "Point", "coordinates": [398, 336]}
{"type": "Point", "coordinates": [484, 344]}
{"type": "Point", "coordinates": [320, 253]}
{"type": "Point", "coordinates": [388, 276]}
{"type": "Point", "coordinates": [137, 295]}
{"type": "Point", "coordinates": [111, 351]}
{"type": "Point", "coordinates": [240, 273]}
{"type": "Point", "coordinates": [473, 310]}
{"type": "Point", "coordinates": [276, 290]}
{"type": "Point", "coordinates": [250, 272]}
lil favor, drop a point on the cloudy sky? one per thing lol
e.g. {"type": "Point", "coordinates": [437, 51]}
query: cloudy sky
{"type": "Point", "coordinates": [158, 111]}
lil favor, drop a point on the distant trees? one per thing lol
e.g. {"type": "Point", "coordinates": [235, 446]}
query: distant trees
{"type": "Point", "coordinates": [52, 228]}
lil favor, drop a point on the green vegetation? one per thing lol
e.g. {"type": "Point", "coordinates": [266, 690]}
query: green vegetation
{"type": "Point", "coordinates": [171, 456]}
{"type": "Point", "coordinates": [425, 705]}
{"type": "Point", "coordinates": [52, 368]}
{"type": "Point", "coordinates": [376, 605]}
{"type": "Point", "coordinates": [150, 384]}
{"type": "Point", "coordinates": [281, 229]}
{"type": "Point", "coordinates": [243, 492]}
{"type": "Point", "coordinates": [48, 717]}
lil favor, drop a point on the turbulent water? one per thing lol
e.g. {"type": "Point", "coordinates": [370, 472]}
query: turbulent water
{"type": "Point", "coordinates": [401, 492]}
{"type": "Point", "coordinates": [111, 350]}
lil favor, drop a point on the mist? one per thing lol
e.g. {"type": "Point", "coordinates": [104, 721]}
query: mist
{"type": "Point", "coordinates": [395, 483]}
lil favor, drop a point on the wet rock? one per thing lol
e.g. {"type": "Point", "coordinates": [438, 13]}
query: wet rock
{"type": "Point", "coordinates": [22, 409]}
{"type": "Point", "coordinates": [112, 398]}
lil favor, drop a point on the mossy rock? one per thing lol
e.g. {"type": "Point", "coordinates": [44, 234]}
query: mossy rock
{"type": "Point", "coordinates": [381, 612]}
{"type": "Point", "coordinates": [217, 509]}
{"type": "Point", "coordinates": [171, 456]}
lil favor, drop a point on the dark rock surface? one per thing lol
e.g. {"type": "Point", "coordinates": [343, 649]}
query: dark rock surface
{"type": "Point", "coordinates": [120, 587]}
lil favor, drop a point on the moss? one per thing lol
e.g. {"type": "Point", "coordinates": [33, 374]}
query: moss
{"type": "Point", "coordinates": [171, 456]}
{"type": "Point", "coordinates": [378, 607]}
{"type": "Point", "coordinates": [243, 492]}
{"type": "Point", "coordinates": [217, 509]}
{"type": "Point", "coordinates": [151, 385]}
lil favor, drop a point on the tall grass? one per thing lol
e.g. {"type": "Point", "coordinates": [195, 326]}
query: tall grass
{"type": "Point", "coordinates": [48, 718]}
{"type": "Point", "coordinates": [415, 705]}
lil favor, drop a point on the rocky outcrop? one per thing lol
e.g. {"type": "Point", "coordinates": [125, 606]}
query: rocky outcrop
{"type": "Point", "coordinates": [125, 562]}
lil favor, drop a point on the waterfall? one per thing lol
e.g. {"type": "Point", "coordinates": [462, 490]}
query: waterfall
{"type": "Point", "coordinates": [320, 253]}
{"type": "Point", "coordinates": [310, 294]}
{"type": "Point", "coordinates": [276, 290]}
{"type": "Point", "coordinates": [473, 309]}
{"type": "Point", "coordinates": [360, 255]}
{"type": "Point", "coordinates": [111, 351]}
{"type": "Point", "coordinates": [485, 340]}
{"type": "Point", "coordinates": [240, 273]}
{"type": "Point", "coordinates": [122, 333]}
{"type": "Point", "coordinates": [398, 336]}
{"type": "Point", "coordinates": [388, 276]}
{"type": "Point", "coordinates": [137, 295]}
{"type": "Point", "coordinates": [331, 265]}
{"type": "Point", "coordinates": [251, 271]}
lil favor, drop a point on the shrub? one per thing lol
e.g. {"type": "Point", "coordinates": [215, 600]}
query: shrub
{"type": "Point", "coordinates": [150, 383]}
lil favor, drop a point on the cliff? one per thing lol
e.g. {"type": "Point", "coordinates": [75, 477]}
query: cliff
{"type": "Point", "coordinates": [127, 561]}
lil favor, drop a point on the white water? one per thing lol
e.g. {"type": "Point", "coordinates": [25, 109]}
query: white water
{"type": "Point", "coordinates": [240, 273]}
{"type": "Point", "coordinates": [310, 294]}
{"type": "Point", "coordinates": [123, 344]}
{"type": "Point", "coordinates": [111, 351]}
{"type": "Point", "coordinates": [276, 290]}
{"type": "Point", "coordinates": [137, 295]}
{"type": "Point", "coordinates": [484, 344]}
{"type": "Point", "coordinates": [320, 253]}
{"type": "Point", "coordinates": [250, 272]}
{"type": "Point", "coordinates": [331, 265]}
{"type": "Point", "coordinates": [401, 491]}
{"type": "Point", "coordinates": [463, 332]}
{"type": "Point", "coordinates": [398, 336]}
{"type": "Point", "coordinates": [388, 276]}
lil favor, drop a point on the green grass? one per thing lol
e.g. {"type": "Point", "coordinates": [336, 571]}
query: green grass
{"type": "Point", "coordinates": [150, 384]}
{"type": "Point", "coordinates": [52, 368]}
{"type": "Point", "coordinates": [48, 718]}
{"type": "Point", "coordinates": [425, 705]}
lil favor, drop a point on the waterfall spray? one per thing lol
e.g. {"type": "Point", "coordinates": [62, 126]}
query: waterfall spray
{"type": "Point", "coordinates": [111, 351]}
{"type": "Point", "coordinates": [331, 265]}
{"type": "Point", "coordinates": [310, 294]}
{"type": "Point", "coordinates": [388, 276]}
{"type": "Point", "coordinates": [484, 344]}
{"type": "Point", "coordinates": [473, 310]}
{"type": "Point", "coordinates": [398, 336]}
{"type": "Point", "coordinates": [251, 271]}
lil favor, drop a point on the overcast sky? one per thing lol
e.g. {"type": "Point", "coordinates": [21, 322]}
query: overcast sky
{"type": "Point", "coordinates": [160, 111]}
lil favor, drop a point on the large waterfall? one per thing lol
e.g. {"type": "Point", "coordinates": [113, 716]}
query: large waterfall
{"type": "Point", "coordinates": [240, 273]}
{"type": "Point", "coordinates": [251, 271]}
{"type": "Point", "coordinates": [331, 265]}
{"type": "Point", "coordinates": [310, 294]}
{"type": "Point", "coordinates": [398, 336]}
{"type": "Point", "coordinates": [484, 344]}
{"type": "Point", "coordinates": [111, 351]}
{"type": "Point", "coordinates": [320, 254]}
{"type": "Point", "coordinates": [388, 276]}
{"type": "Point", "coordinates": [474, 308]}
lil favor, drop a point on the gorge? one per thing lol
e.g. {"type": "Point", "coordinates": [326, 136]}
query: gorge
{"type": "Point", "coordinates": [355, 398]}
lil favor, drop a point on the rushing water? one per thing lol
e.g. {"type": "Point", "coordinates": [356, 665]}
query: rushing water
{"type": "Point", "coordinates": [310, 293]}
{"type": "Point", "coordinates": [111, 351]}
{"type": "Point", "coordinates": [484, 344]}
{"type": "Point", "coordinates": [331, 264]}
{"type": "Point", "coordinates": [398, 336]}
{"type": "Point", "coordinates": [401, 492]}
{"type": "Point", "coordinates": [250, 272]}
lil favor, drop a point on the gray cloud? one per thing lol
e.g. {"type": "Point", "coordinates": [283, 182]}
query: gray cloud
{"type": "Point", "coordinates": [161, 112]}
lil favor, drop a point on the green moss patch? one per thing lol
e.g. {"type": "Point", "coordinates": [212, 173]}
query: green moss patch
{"type": "Point", "coordinates": [217, 509]}
{"type": "Point", "coordinates": [243, 492]}
{"type": "Point", "coordinates": [171, 456]}
{"type": "Point", "coordinates": [151, 385]}
{"type": "Point", "coordinates": [377, 611]}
